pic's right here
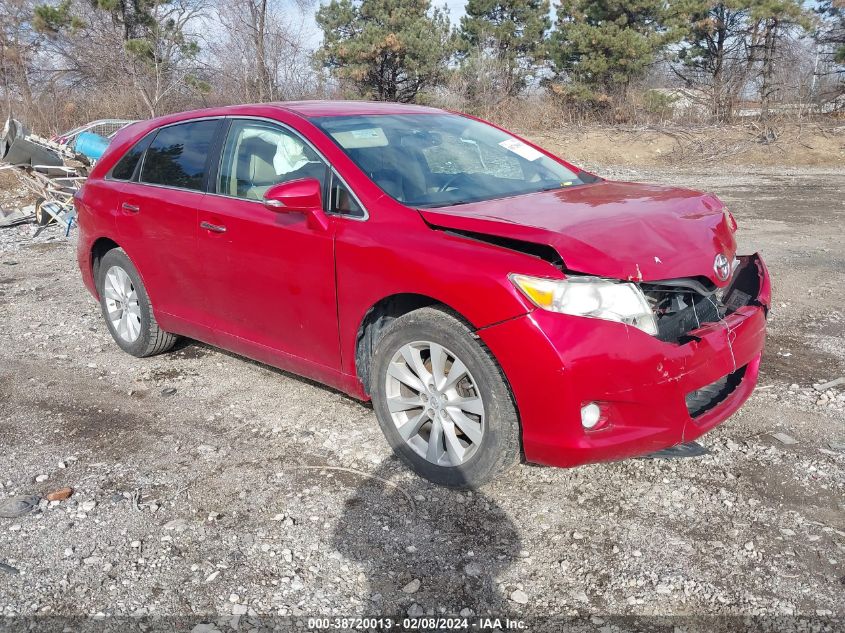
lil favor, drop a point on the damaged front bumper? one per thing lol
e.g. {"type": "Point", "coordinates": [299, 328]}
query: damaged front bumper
{"type": "Point", "coordinates": [654, 394]}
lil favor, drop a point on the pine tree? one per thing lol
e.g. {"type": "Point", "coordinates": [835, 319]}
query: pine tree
{"type": "Point", "coordinates": [388, 50]}
{"type": "Point", "coordinates": [603, 45]}
{"type": "Point", "coordinates": [512, 32]}
{"type": "Point", "coordinates": [711, 55]}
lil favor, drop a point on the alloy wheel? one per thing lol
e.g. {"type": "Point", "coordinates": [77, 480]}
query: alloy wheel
{"type": "Point", "coordinates": [122, 306]}
{"type": "Point", "coordinates": [435, 403]}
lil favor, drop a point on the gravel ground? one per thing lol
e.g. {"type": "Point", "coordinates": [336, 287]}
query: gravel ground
{"type": "Point", "coordinates": [205, 484]}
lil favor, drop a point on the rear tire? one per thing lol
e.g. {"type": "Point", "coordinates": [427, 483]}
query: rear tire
{"type": "Point", "coordinates": [127, 309]}
{"type": "Point", "coordinates": [442, 401]}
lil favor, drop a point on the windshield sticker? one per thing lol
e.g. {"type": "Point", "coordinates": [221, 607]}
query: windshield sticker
{"type": "Point", "coordinates": [365, 137]}
{"type": "Point", "coordinates": [521, 149]}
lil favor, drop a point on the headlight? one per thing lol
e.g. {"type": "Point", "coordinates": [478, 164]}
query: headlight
{"type": "Point", "coordinates": [590, 297]}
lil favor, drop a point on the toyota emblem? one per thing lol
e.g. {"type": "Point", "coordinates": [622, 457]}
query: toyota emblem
{"type": "Point", "coordinates": [722, 267]}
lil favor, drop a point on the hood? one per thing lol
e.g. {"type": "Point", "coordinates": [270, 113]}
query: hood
{"type": "Point", "coordinates": [618, 230]}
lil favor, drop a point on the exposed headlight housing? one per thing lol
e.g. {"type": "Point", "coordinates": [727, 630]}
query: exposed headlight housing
{"type": "Point", "coordinates": [593, 297]}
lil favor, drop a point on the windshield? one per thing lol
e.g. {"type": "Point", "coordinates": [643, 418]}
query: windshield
{"type": "Point", "coordinates": [435, 160]}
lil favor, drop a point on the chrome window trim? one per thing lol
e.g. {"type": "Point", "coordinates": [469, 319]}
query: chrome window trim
{"type": "Point", "coordinates": [322, 156]}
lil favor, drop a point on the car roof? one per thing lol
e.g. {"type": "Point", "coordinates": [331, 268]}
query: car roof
{"type": "Point", "coordinates": [305, 109]}
{"type": "Point", "coordinates": [346, 108]}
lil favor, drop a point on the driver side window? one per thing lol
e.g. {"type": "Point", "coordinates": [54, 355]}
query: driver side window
{"type": "Point", "coordinates": [258, 155]}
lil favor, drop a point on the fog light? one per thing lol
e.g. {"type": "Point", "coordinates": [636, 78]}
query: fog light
{"type": "Point", "coordinates": [590, 415]}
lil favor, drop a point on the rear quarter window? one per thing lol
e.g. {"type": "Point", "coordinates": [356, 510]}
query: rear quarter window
{"type": "Point", "coordinates": [125, 167]}
{"type": "Point", "coordinates": [178, 155]}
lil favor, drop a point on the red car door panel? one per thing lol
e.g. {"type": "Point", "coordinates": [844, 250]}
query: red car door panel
{"type": "Point", "coordinates": [157, 227]}
{"type": "Point", "coordinates": [270, 276]}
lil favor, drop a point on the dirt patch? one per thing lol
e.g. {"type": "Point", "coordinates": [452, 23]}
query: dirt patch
{"type": "Point", "coordinates": [804, 145]}
{"type": "Point", "coordinates": [791, 359]}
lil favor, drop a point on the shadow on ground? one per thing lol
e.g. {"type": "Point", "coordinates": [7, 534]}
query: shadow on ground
{"type": "Point", "coordinates": [426, 549]}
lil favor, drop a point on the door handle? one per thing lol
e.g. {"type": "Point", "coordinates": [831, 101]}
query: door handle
{"type": "Point", "coordinates": [214, 228]}
{"type": "Point", "coordinates": [131, 208]}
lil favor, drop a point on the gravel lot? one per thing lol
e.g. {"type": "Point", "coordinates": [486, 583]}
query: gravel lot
{"type": "Point", "coordinates": [209, 485]}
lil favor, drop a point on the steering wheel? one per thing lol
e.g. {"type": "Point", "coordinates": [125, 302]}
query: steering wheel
{"type": "Point", "coordinates": [451, 180]}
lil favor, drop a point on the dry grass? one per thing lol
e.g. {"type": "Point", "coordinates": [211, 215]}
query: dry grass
{"type": "Point", "coordinates": [808, 145]}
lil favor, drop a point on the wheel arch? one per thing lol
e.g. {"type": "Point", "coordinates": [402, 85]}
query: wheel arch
{"type": "Point", "coordinates": [383, 312]}
{"type": "Point", "coordinates": [99, 248]}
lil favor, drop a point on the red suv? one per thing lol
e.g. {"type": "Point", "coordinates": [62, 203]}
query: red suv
{"type": "Point", "coordinates": [494, 301]}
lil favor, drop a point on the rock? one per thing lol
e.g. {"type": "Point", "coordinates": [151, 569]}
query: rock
{"type": "Point", "coordinates": [87, 506]}
{"type": "Point", "coordinates": [519, 596]}
{"type": "Point", "coordinates": [169, 391]}
{"type": "Point", "coordinates": [466, 612]}
{"type": "Point", "coordinates": [177, 525]}
{"type": "Point", "coordinates": [472, 569]}
{"type": "Point", "coordinates": [783, 438]}
{"type": "Point", "coordinates": [239, 609]}
{"type": "Point", "coordinates": [15, 528]}
{"type": "Point", "coordinates": [206, 449]}
{"type": "Point", "coordinates": [415, 611]}
{"type": "Point", "coordinates": [412, 587]}
{"type": "Point", "coordinates": [234, 598]}
{"type": "Point", "coordinates": [828, 385]}
{"type": "Point", "coordinates": [580, 595]}
{"type": "Point", "coordinates": [60, 495]}
{"type": "Point", "coordinates": [135, 545]}
{"type": "Point", "coordinates": [41, 478]}
{"type": "Point", "coordinates": [14, 507]}
{"type": "Point", "coordinates": [8, 569]}
{"type": "Point", "coordinates": [212, 576]}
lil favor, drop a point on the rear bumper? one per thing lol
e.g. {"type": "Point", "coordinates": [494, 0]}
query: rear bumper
{"type": "Point", "coordinates": [556, 363]}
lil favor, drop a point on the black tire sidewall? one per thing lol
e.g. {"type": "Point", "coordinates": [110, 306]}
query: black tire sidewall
{"type": "Point", "coordinates": [118, 257]}
{"type": "Point", "coordinates": [500, 446]}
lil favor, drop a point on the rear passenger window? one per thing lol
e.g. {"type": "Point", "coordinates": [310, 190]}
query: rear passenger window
{"type": "Point", "coordinates": [125, 167]}
{"type": "Point", "coordinates": [177, 155]}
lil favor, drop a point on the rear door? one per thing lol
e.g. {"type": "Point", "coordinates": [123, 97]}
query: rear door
{"type": "Point", "coordinates": [271, 278]}
{"type": "Point", "coordinates": [157, 217]}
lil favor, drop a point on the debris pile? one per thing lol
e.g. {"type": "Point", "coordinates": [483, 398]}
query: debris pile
{"type": "Point", "coordinates": [51, 169]}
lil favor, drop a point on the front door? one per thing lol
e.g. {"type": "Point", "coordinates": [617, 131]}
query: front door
{"type": "Point", "coordinates": [270, 275]}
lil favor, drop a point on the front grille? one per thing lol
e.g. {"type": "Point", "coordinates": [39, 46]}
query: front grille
{"type": "Point", "coordinates": [682, 305]}
{"type": "Point", "coordinates": [702, 400]}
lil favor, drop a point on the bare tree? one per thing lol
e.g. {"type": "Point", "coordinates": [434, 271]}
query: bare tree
{"type": "Point", "coordinates": [263, 52]}
{"type": "Point", "coordinates": [19, 43]}
{"type": "Point", "coordinates": [111, 49]}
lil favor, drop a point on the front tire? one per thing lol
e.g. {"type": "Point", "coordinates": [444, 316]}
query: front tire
{"type": "Point", "coordinates": [127, 309]}
{"type": "Point", "coordinates": [442, 400]}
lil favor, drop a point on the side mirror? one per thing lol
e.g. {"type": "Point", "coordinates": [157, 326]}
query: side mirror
{"type": "Point", "coordinates": [299, 196]}
{"type": "Point", "coordinates": [296, 196]}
